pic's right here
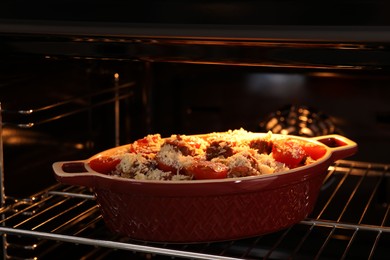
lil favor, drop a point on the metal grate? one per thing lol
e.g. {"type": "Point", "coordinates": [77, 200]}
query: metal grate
{"type": "Point", "coordinates": [351, 220]}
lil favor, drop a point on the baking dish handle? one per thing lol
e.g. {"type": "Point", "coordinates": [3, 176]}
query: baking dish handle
{"type": "Point", "coordinates": [340, 146]}
{"type": "Point", "coordinates": [74, 173]}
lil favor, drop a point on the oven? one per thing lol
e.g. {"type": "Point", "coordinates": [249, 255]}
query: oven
{"type": "Point", "coordinates": [72, 86]}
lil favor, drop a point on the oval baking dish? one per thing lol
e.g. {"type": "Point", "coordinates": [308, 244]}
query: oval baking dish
{"type": "Point", "coordinates": [207, 210]}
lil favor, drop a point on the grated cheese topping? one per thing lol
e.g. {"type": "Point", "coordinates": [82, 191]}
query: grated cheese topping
{"type": "Point", "coordinates": [242, 152]}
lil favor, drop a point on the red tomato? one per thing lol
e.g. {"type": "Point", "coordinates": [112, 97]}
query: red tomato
{"type": "Point", "coordinates": [165, 167]}
{"type": "Point", "coordinates": [104, 164]}
{"type": "Point", "coordinates": [292, 152]}
{"type": "Point", "coordinates": [289, 152]}
{"type": "Point", "coordinates": [314, 151]}
{"type": "Point", "coordinates": [202, 170]}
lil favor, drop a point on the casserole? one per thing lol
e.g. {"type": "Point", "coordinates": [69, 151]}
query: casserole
{"type": "Point", "coordinates": [207, 210]}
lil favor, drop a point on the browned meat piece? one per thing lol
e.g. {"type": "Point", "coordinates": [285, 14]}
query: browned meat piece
{"type": "Point", "coordinates": [181, 145]}
{"type": "Point", "coordinates": [261, 146]}
{"type": "Point", "coordinates": [219, 148]}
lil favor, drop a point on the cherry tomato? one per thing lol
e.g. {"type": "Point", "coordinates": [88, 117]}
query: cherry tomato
{"type": "Point", "coordinates": [104, 164]}
{"type": "Point", "coordinates": [202, 170]}
{"type": "Point", "coordinates": [289, 152]}
{"type": "Point", "coordinates": [313, 150]}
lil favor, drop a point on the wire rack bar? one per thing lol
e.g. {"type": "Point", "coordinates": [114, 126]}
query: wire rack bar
{"type": "Point", "coordinates": [69, 101]}
{"type": "Point", "coordinates": [111, 244]}
{"type": "Point", "coordinates": [379, 229]}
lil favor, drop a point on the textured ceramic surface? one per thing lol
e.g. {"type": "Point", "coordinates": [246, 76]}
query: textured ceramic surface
{"type": "Point", "coordinates": [212, 210]}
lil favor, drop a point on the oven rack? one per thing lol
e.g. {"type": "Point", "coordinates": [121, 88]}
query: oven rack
{"type": "Point", "coordinates": [27, 125]}
{"type": "Point", "coordinates": [351, 220]}
{"type": "Point", "coordinates": [31, 117]}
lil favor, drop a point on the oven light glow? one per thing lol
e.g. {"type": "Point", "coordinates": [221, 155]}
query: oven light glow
{"type": "Point", "coordinates": [14, 140]}
{"type": "Point", "coordinates": [303, 118]}
{"type": "Point", "coordinates": [79, 146]}
{"type": "Point", "coordinates": [325, 74]}
{"type": "Point", "coordinates": [276, 84]}
{"type": "Point", "coordinates": [284, 132]}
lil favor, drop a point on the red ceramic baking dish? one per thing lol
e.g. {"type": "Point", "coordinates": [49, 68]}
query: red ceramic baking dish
{"type": "Point", "coordinates": [207, 210]}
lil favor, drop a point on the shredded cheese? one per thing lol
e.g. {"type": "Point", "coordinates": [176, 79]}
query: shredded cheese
{"type": "Point", "coordinates": [155, 158]}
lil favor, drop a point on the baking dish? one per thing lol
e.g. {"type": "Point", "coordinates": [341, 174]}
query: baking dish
{"type": "Point", "coordinates": [207, 210]}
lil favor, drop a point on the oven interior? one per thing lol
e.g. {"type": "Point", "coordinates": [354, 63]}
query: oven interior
{"type": "Point", "coordinates": [59, 107]}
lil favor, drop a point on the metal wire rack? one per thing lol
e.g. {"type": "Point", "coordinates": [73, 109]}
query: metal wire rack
{"type": "Point", "coordinates": [351, 220]}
